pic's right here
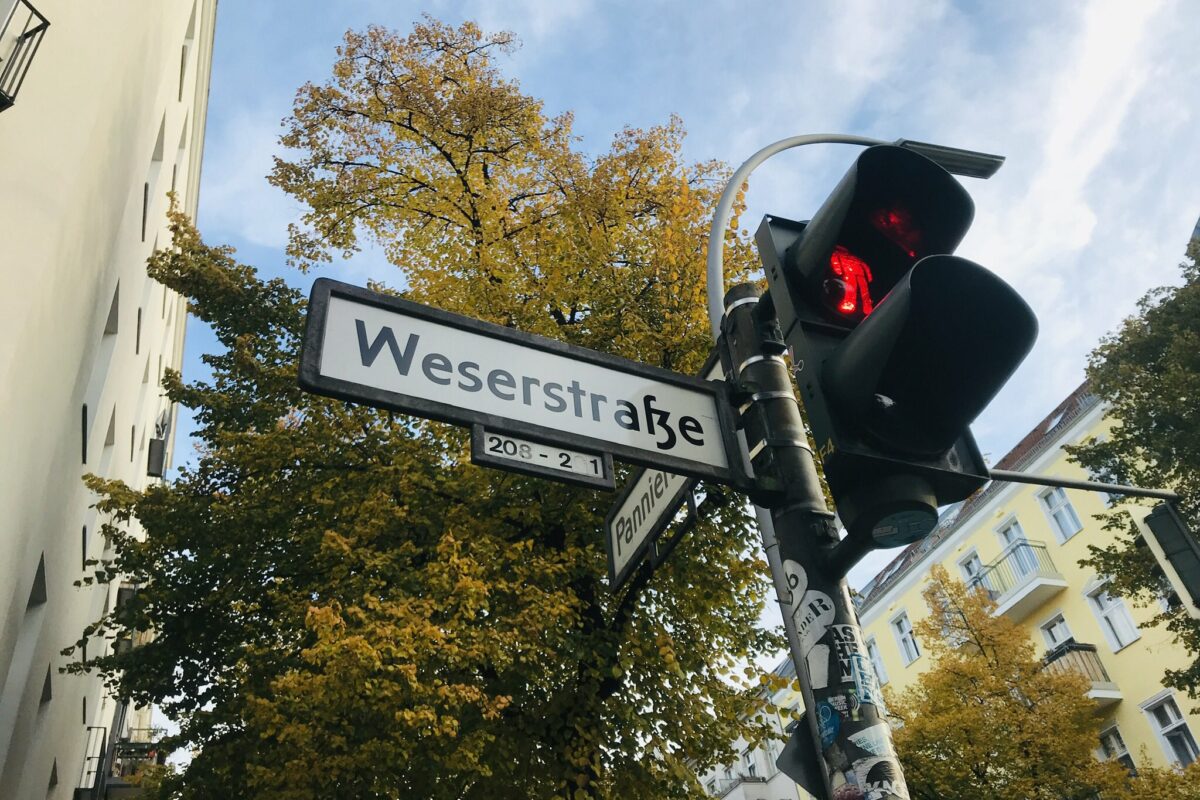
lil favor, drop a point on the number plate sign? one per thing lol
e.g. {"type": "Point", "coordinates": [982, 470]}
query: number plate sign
{"type": "Point", "coordinates": [518, 454]}
{"type": "Point", "coordinates": [372, 348]}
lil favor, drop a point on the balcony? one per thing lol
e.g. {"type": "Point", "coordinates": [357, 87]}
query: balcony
{"type": "Point", "coordinates": [1020, 580]}
{"type": "Point", "coordinates": [1083, 659]}
{"type": "Point", "coordinates": [113, 763]}
{"type": "Point", "coordinates": [21, 33]}
{"type": "Point", "coordinates": [742, 787]}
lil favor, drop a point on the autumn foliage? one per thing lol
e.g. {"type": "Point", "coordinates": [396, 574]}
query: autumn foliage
{"type": "Point", "coordinates": [344, 606]}
{"type": "Point", "coordinates": [988, 721]}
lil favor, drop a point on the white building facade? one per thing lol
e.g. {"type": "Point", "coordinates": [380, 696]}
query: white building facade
{"type": "Point", "coordinates": [108, 118]}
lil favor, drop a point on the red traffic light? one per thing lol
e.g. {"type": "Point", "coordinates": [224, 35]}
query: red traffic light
{"type": "Point", "coordinates": [893, 208]}
{"type": "Point", "coordinates": [849, 284]}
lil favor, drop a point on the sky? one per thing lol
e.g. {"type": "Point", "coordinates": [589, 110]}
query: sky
{"type": "Point", "coordinates": [1095, 105]}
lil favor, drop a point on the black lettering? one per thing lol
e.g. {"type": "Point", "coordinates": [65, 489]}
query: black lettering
{"type": "Point", "coordinates": [597, 399]}
{"type": "Point", "coordinates": [577, 392]}
{"type": "Point", "coordinates": [553, 391]}
{"type": "Point", "coordinates": [660, 416]}
{"type": "Point", "coordinates": [368, 353]}
{"type": "Point", "coordinates": [527, 385]}
{"type": "Point", "coordinates": [436, 361]}
{"type": "Point", "coordinates": [659, 484]}
{"type": "Point", "coordinates": [468, 370]}
{"type": "Point", "coordinates": [689, 426]}
{"type": "Point", "coordinates": [499, 379]}
{"type": "Point", "coordinates": [626, 415]}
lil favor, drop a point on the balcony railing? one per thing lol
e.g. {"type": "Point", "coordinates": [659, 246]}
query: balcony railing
{"type": "Point", "coordinates": [1079, 658]}
{"type": "Point", "coordinates": [21, 34]}
{"type": "Point", "coordinates": [727, 785]}
{"type": "Point", "coordinates": [1083, 659]}
{"type": "Point", "coordinates": [1020, 579]}
{"type": "Point", "coordinates": [95, 764]}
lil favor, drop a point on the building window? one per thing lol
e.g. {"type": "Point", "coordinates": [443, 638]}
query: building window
{"type": "Point", "coordinates": [749, 764]}
{"type": "Point", "coordinates": [970, 567]}
{"type": "Point", "coordinates": [1056, 632]}
{"type": "Point", "coordinates": [1112, 748]}
{"type": "Point", "coordinates": [909, 650]}
{"type": "Point", "coordinates": [1173, 731]}
{"type": "Point", "coordinates": [1017, 551]}
{"type": "Point", "coordinates": [183, 54]}
{"type": "Point", "coordinates": [145, 207]}
{"type": "Point", "coordinates": [876, 661]}
{"type": "Point", "coordinates": [1062, 514]}
{"type": "Point", "coordinates": [1119, 628]}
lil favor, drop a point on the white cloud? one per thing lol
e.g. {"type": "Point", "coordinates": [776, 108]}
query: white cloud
{"type": "Point", "coordinates": [238, 203]}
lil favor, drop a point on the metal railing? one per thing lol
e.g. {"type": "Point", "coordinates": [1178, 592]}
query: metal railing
{"type": "Point", "coordinates": [20, 36]}
{"type": "Point", "coordinates": [136, 750]}
{"type": "Point", "coordinates": [95, 762]}
{"type": "Point", "coordinates": [1079, 658]}
{"type": "Point", "coordinates": [727, 785]}
{"type": "Point", "coordinates": [1021, 562]}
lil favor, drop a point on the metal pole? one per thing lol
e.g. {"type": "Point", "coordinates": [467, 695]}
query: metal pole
{"type": "Point", "coordinates": [847, 726]}
{"type": "Point", "coordinates": [1091, 486]}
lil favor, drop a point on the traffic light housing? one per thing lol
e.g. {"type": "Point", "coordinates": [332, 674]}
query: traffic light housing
{"type": "Point", "coordinates": [897, 345]}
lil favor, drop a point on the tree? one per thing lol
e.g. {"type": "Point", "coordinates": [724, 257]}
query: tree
{"type": "Point", "coordinates": [988, 720]}
{"type": "Point", "coordinates": [1148, 373]}
{"type": "Point", "coordinates": [341, 604]}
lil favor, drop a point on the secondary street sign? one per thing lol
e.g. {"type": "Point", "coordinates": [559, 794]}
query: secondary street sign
{"type": "Point", "coordinates": [647, 505]}
{"type": "Point", "coordinates": [372, 348]}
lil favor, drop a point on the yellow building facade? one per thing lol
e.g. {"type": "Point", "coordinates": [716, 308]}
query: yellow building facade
{"type": "Point", "coordinates": [1022, 544]}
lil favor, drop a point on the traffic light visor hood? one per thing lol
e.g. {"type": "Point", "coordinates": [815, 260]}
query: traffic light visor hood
{"type": "Point", "coordinates": [892, 208]}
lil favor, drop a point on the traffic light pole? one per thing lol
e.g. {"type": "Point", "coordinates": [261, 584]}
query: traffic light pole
{"type": "Point", "coordinates": [849, 742]}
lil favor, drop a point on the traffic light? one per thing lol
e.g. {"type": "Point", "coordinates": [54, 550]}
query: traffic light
{"type": "Point", "coordinates": [897, 345]}
{"type": "Point", "coordinates": [1180, 550]}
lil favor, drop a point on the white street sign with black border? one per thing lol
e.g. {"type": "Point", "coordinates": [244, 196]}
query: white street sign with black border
{"type": "Point", "coordinates": [381, 350]}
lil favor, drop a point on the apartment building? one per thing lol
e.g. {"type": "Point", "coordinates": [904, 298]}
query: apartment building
{"type": "Point", "coordinates": [102, 112]}
{"type": "Point", "coordinates": [753, 775]}
{"type": "Point", "coordinates": [1021, 544]}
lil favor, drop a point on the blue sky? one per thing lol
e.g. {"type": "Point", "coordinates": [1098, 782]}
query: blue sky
{"type": "Point", "coordinates": [1095, 106]}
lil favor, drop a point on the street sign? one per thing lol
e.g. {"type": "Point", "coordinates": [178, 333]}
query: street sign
{"type": "Point", "coordinates": [646, 507]}
{"type": "Point", "coordinates": [377, 349]}
{"type": "Point", "coordinates": [518, 454]}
